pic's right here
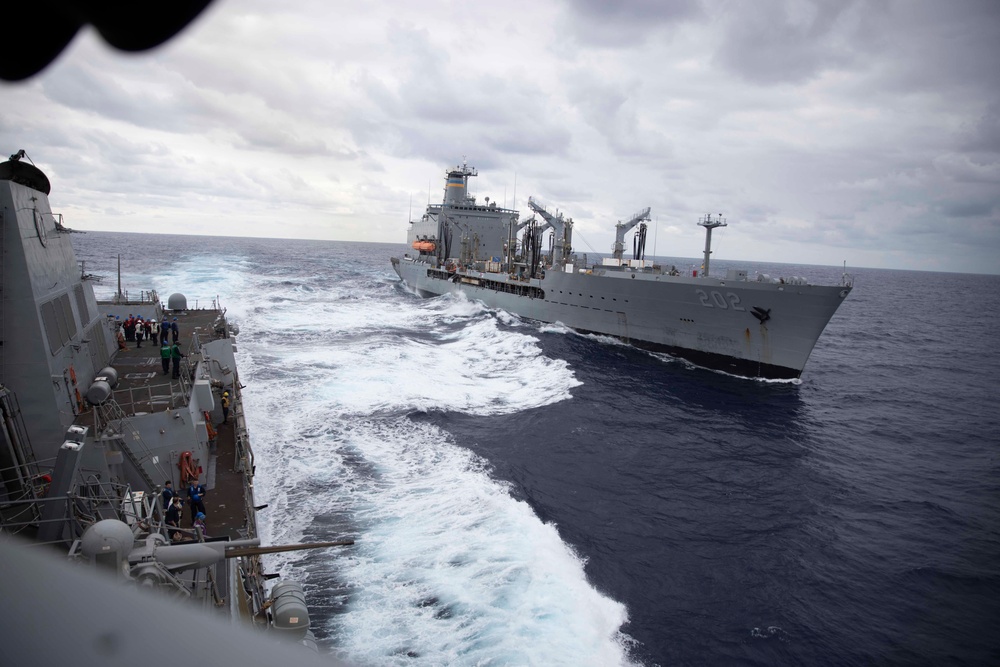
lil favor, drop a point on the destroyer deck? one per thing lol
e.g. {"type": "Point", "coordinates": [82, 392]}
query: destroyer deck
{"type": "Point", "coordinates": [144, 388]}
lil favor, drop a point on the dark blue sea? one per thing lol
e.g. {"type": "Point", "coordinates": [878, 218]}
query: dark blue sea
{"type": "Point", "coordinates": [524, 495]}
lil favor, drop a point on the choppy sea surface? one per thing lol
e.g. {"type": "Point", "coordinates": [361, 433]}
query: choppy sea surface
{"type": "Point", "coordinates": [524, 495]}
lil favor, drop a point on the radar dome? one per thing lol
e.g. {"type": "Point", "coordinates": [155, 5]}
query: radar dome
{"type": "Point", "coordinates": [177, 301]}
{"type": "Point", "coordinates": [109, 541]}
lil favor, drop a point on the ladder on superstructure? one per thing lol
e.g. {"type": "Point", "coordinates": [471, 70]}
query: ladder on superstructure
{"type": "Point", "coordinates": [109, 412]}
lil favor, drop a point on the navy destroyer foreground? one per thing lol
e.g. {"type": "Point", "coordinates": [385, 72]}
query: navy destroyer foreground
{"type": "Point", "coordinates": [762, 327]}
{"type": "Point", "coordinates": [93, 428]}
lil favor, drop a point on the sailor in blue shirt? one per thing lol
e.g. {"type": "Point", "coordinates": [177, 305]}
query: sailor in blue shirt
{"type": "Point", "coordinates": [168, 493]}
{"type": "Point", "coordinates": [196, 492]}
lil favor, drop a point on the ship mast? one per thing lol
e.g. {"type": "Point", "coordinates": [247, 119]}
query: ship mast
{"type": "Point", "coordinates": [120, 298]}
{"type": "Point", "coordinates": [709, 223]}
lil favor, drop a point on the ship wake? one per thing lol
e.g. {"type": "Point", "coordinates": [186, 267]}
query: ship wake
{"type": "Point", "coordinates": [449, 567]}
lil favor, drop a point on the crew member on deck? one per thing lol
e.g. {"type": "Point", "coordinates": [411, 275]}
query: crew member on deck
{"type": "Point", "coordinates": [174, 512]}
{"type": "Point", "coordinates": [175, 356]}
{"type": "Point", "coordinates": [165, 353]}
{"type": "Point", "coordinates": [196, 493]}
{"type": "Point", "coordinates": [199, 523]}
{"type": "Point", "coordinates": [168, 493]}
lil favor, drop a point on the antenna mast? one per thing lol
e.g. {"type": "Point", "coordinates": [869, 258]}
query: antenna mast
{"type": "Point", "coordinates": [710, 223]}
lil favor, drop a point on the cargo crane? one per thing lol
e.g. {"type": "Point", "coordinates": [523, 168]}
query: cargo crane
{"type": "Point", "coordinates": [622, 227]}
{"type": "Point", "coordinates": [561, 226]}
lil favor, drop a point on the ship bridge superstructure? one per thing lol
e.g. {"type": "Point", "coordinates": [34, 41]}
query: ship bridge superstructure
{"type": "Point", "coordinates": [456, 189]}
{"type": "Point", "coordinates": [460, 227]}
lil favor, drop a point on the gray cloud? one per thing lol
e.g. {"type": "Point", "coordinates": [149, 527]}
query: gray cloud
{"type": "Point", "coordinates": [866, 131]}
{"type": "Point", "coordinates": [627, 23]}
{"type": "Point", "coordinates": [776, 42]}
{"type": "Point", "coordinates": [434, 107]}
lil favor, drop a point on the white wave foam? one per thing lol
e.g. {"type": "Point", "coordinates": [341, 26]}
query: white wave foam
{"type": "Point", "coordinates": [467, 574]}
{"type": "Point", "coordinates": [200, 279]}
{"type": "Point", "coordinates": [448, 567]}
{"type": "Point", "coordinates": [555, 327]}
{"type": "Point", "coordinates": [670, 359]}
{"type": "Point", "coordinates": [443, 354]}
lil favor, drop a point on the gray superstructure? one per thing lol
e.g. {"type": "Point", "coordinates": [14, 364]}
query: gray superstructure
{"type": "Point", "coordinates": [91, 429]}
{"type": "Point", "coordinates": [758, 328]}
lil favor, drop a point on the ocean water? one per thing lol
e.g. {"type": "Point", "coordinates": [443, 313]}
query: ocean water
{"type": "Point", "coordinates": [524, 495]}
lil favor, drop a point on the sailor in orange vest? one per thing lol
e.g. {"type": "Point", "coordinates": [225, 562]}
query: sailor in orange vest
{"type": "Point", "coordinates": [225, 407]}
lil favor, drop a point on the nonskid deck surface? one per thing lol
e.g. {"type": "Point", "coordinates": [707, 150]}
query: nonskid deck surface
{"type": "Point", "coordinates": [140, 373]}
{"type": "Point", "coordinates": [143, 388]}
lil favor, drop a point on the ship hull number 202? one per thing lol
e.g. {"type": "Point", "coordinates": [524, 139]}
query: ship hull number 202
{"type": "Point", "coordinates": [716, 299]}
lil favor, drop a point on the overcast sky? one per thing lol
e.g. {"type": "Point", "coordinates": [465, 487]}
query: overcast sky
{"type": "Point", "coordinates": [827, 131]}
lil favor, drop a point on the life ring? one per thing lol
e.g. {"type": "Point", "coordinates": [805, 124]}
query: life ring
{"type": "Point", "coordinates": [72, 375]}
{"type": "Point", "coordinates": [188, 470]}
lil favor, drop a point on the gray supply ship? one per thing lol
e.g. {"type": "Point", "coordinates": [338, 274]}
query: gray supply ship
{"type": "Point", "coordinates": [759, 327]}
{"type": "Point", "coordinates": [91, 429]}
